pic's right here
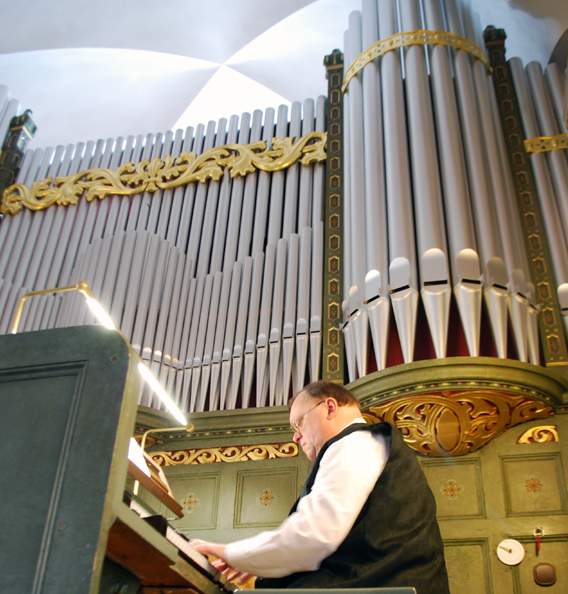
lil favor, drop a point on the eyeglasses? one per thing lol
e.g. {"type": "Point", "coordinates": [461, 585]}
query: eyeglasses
{"type": "Point", "coordinates": [297, 426]}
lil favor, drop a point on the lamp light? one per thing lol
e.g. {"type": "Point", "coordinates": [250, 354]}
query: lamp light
{"type": "Point", "coordinates": [103, 317]}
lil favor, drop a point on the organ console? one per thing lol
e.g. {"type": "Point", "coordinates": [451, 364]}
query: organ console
{"type": "Point", "coordinates": [69, 506]}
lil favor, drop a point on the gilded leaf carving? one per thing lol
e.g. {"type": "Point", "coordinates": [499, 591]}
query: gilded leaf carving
{"type": "Point", "coordinates": [166, 173]}
{"type": "Point", "coordinates": [226, 454]}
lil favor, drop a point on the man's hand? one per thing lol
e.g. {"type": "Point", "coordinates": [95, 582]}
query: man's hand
{"type": "Point", "coordinates": [218, 550]}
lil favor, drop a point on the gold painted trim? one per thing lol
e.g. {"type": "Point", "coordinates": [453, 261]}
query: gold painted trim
{"type": "Point", "coordinates": [166, 173]}
{"type": "Point", "coordinates": [332, 351]}
{"type": "Point", "coordinates": [81, 287]}
{"type": "Point", "coordinates": [540, 434]}
{"type": "Point", "coordinates": [545, 144]}
{"type": "Point", "coordinates": [243, 453]}
{"type": "Point", "coordinates": [406, 38]}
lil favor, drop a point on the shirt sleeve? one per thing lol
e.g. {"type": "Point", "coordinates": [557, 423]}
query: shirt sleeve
{"type": "Point", "coordinates": [347, 474]}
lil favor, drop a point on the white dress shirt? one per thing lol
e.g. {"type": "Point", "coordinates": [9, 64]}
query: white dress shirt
{"type": "Point", "coordinates": [346, 476]}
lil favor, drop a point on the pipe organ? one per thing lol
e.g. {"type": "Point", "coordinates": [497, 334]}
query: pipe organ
{"type": "Point", "coordinates": [220, 282]}
{"type": "Point", "coordinates": [433, 239]}
{"type": "Point", "coordinates": [217, 284]}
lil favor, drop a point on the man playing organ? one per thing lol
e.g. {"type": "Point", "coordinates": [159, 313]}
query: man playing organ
{"type": "Point", "coordinates": [366, 516]}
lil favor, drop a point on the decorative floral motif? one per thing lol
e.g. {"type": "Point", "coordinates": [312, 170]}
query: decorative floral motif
{"type": "Point", "coordinates": [451, 489]}
{"type": "Point", "coordinates": [190, 501]}
{"type": "Point", "coordinates": [266, 497]}
{"type": "Point", "coordinates": [533, 485]}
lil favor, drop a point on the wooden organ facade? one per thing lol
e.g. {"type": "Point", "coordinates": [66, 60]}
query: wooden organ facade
{"type": "Point", "coordinates": [407, 235]}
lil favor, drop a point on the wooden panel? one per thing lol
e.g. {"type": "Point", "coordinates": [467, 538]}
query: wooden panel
{"type": "Point", "coordinates": [468, 566]}
{"type": "Point", "coordinates": [534, 484]}
{"type": "Point", "coordinates": [199, 497]}
{"type": "Point", "coordinates": [457, 486]}
{"type": "Point", "coordinates": [263, 498]}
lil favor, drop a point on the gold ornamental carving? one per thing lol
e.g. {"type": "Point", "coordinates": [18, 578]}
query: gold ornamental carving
{"type": "Point", "coordinates": [242, 453]}
{"type": "Point", "coordinates": [540, 434]}
{"type": "Point", "coordinates": [407, 38]}
{"type": "Point", "coordinates": [545, 144]}
{"type": "Point", "coordinates": [457, 423]}
{"type": "Point", "coordinates": [166, 173]}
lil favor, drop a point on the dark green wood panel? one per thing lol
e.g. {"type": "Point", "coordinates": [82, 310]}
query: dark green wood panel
{"type": "Point", "coordinates": [65, 429]}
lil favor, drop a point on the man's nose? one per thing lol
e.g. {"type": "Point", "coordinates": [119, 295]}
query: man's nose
{"type": "Point", "coordinates": [296, 437]}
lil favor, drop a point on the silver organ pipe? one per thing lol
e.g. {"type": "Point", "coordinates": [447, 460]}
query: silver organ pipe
{"type": "Point", "coordinates": [431, 241]}
{"type": "Point", "coordinates": [275, 333]}
{"type": "Point", "coordinates": [495, 276]}
{"type": "Point", "coordinates": [240, 276]}
{"type": "Point", "coordinates": [245, 299]}
{"type": "Point", "coordinates": [224, 205]}
{"type": "Point", "coordinates": [556, 86]}
{"type": "Point", "coordinates": [302, 318]}
{"type": "Point", "coordinates": [291, 185]}
{"type": "Point", "coordinates": [403, 275]}
{"type": "Point", "coordinates": [262, 190]}
{"type": "Point", "coordinates": [357, 315]}
{"type": "Point", "coordinates": [507, 219]}
{"type": "Point", "coordinates": [376, 275]}
{"type": "Point", "coordinates": [277, 184]}
{"type": "Point", "coordinates": [264, 326]}
{"type": "Point", "coordinates": [289, 324]}
{"type": "Point", "coordinates": [316, 288]}
{"type": "Point", "coordinates": [464, 258]}
{"type": "Point", "coordinates": [187, 196]}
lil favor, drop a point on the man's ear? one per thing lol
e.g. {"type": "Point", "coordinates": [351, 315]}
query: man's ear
{"type": "Point", "coordinates": [332, 406]}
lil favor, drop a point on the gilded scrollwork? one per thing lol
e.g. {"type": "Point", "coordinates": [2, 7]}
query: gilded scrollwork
{"type": "Point", "coordinates": [166, 173]}
{"type": "Point", "coordinates": [240, 453]}
{"type": "Point", "coordinates": [540, 434]}
{"type": "Point", "coordinates": [457, 423]}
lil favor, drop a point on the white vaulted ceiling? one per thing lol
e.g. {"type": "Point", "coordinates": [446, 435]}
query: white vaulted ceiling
{"type": "Point", "coordinates": [92, 69]}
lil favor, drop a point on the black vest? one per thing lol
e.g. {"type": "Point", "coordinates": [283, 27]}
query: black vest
{"type": "Point", "coordinates": [395, 540]}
